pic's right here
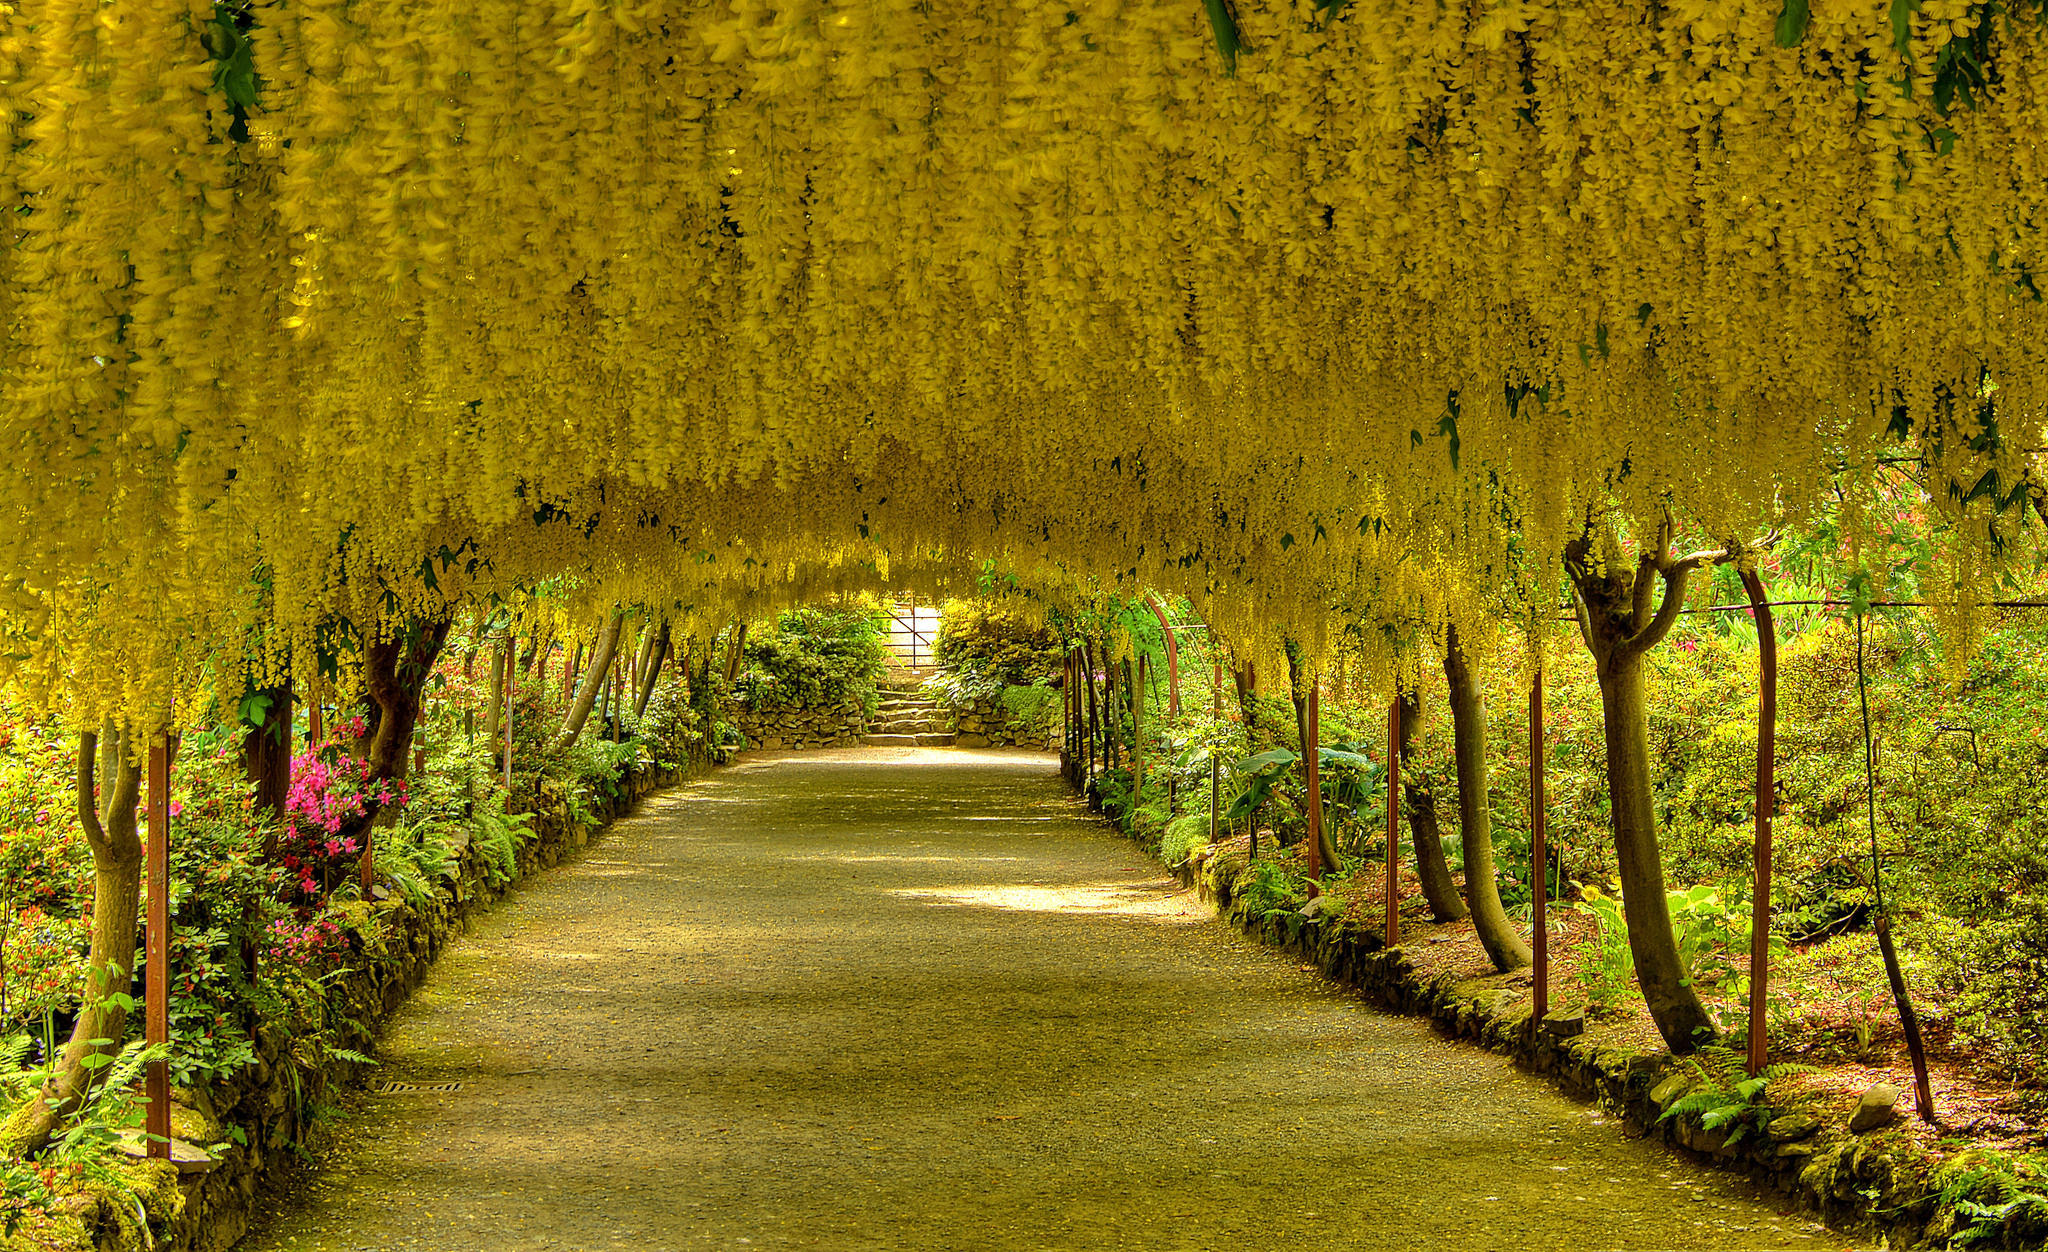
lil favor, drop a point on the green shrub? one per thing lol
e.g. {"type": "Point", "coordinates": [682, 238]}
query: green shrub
{"type": "Point", "coordinates": [1183, 837]}
{"type": "Point", "coordinates": [988, 647]}
{"type": "Point", "coordinates": [814, 658]}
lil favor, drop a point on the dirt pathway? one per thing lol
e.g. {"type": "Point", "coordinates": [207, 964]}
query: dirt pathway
{"type": "Point", "coordinates": [919, 999]}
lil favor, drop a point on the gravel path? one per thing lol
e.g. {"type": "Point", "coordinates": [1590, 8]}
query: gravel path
{"type": "Point", "coordinates": [918, 998]}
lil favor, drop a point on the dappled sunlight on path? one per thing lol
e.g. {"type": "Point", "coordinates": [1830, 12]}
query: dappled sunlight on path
{"type": "Point", "coordinates": [920, 999]}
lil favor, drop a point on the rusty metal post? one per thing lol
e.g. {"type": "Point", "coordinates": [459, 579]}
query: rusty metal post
{"type": "Point", "coordinates": [1138, 739]}
{"type": "Point", "coordinates": [1216, 713]}
{"type": "Point", "coordinates": [157, 974]}
{"type": "Point", "coordinates": [1393, 925]}
{"type": "Point", "coordinates": [1312, 767]}
{"type": "Point", "coordinates": [511, 686]}
{"type": "Point", "coordinates": [316, 721]}
{"type": "Point", "coordinates": [1094, 717]}
{"type": "Point", "coordinates": [1766, 800]}
{"type": "Point", "coordinates": [1172, 657]}
{"type": "Point", "coordinates": [1539, 852]}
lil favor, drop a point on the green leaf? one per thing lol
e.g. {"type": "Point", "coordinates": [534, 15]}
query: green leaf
{"type": "Point", "coordinates": [1224, 23]}
{"type": "Point", "coordinates": [1792, 22]}
{"type": "Point", "coordinates": [1266, 760]}
{"type": "Point", "coordinates": [1902, 24]}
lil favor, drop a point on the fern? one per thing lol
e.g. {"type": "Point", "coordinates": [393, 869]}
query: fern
{"type": "Point", "coordinates": [1727, 1097]}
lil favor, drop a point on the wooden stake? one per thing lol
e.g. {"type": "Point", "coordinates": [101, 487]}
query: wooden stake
{"type": "Point", "coordinates": [157, 1013]}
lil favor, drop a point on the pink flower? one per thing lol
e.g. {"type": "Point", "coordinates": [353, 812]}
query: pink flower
{"type": "Point", "coordinates": [177, 809]}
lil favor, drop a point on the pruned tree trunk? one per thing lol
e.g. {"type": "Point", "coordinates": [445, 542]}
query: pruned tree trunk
{"type": "Point", "coordinates": [1326, 847]}
{"type": "Point", "coordinates": [267, 755]}
{"type": "Point", "coordinates": [1475, 819]}
{"type": "Point", "coordinates": [736, 659]}
{"type": "Point", "coordinates": [1246, 678]}
{"type": "Point", "coordinates": [1616, 620]}
{"type": "Point", "coordinates": [651, 672]}
{"type": "Point", "coordinates": [395, 672]}
{"type": "Point", "coordinates": [110, 968]}
{"type": "Point", "coordinates": [593, 681]}
{"type": "Point", "coordinates": [1424, 829]}
{"type": "Point", "coordinates": [495, 706]}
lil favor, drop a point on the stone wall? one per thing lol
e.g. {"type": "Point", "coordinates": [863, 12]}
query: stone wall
{"type": "Point", "coordinates": [201, 1206]}
{"type": "Point", "coordinates": [824, 727]}
{"type": "Point", "coordinates": [985, 723]}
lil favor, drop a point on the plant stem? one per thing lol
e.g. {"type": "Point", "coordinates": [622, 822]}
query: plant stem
{"type": "Point", "coordinates": [1923, 1093]}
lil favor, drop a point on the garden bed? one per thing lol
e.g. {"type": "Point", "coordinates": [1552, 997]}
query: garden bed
{"type": "Point", "coordinates": [256, 1122]}
{"type": "Point", "coordinates": [1912, 1183]}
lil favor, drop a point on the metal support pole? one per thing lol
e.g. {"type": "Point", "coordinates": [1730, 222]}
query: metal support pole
{"type": "Point", "coordinates": [1094, 717]}
{"type": "Point", "coordinates": [1138, 741]}
{"type": "Point", "coordinates": [1393, 924]}
{"type": "Point", "coordinates": [157, 1013]}
{"type": "Point", "coordinates": [1766, 800]}
{"type": "Point", "coordinates": [1216, 712]}
{"type": "Point", "coordinates": [1172, 657]}
{"type": "Point", "coordinates": [1539, 852]}
{"type": "Point", "coordinates": [1312, 764]}
{"type": "Point", "coordinates": [511, 686]}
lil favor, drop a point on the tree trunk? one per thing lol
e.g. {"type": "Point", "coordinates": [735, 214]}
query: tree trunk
{"type": "Point", "coordinates": [643, 658]}
{"type": "Point", "coordinates": [651, 672]}
{"type": "Point", "coordinates": [1680, 1016]}
{"type": "Point", "coordinates": [1326, 847]}
{"type": "Point", "coordinates": [110, 970]}
{"type": "Point", "coordinates": [1619, 624]}
{"type": "Point", "coordinates": [395, 673]}
{"type": "Point", "coordinates": [1246, 679]}
{"type": "Point", "coordinates": [267, 755]}
{"type": "Point", "coordinates": [593, 680]}
{"type": "Point", "coordinates": [495, 706]}
{"type": "Point", "coordinates": [736, 659]}
{"type": "Point", "coordinates": [1475, 820]}
{"type": "Point", "coordinates": [1424, 829]}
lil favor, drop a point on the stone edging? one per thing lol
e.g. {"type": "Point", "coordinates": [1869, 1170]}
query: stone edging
{"type": "Point", "coordinates": [210, 1211]}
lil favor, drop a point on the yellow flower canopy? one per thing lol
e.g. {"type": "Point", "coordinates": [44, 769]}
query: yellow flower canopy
{"type": "Point", "coordinates": [319, 306]}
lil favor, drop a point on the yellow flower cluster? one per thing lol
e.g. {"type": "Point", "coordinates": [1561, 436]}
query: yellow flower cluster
{"type": "Point", "coordinates": [714, 302]}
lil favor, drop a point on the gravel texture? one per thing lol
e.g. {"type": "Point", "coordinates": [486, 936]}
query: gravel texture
{"type": "Point", "coordinates": [919, 998]}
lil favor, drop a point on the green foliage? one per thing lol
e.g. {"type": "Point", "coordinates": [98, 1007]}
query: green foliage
{"type": "Point", "coordinates": [85, 1148]}
{"type": "Point", "coordinates": [1183, 837]}
{"type": "Point", "coordinates": [1994, 1195]}
{"type": "Point", "coordinates": [1725, 1097]}
{"type": "Point", "coordinates": [497, 837]}
{"type": "Point", "coordinates": [1709, 934]}
{"type": "Point", "coordinates": [814, 658]}
{"type": "Point", "coordinates": [1269, 887]}
{"type": "Point", "coordinates": [987, 647]}
{"type": "Point", "coordinates": [1608, 970]}
{"type": "Point", "coordinates": [416, 858]}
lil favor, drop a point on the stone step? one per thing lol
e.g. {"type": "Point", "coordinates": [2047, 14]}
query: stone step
{"type": "Point", "coordinates": [911, 726]}
{"type": "Point", "coordinates": [908, 741]}
{"type": "Point", "coordinates": [902, 703]}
